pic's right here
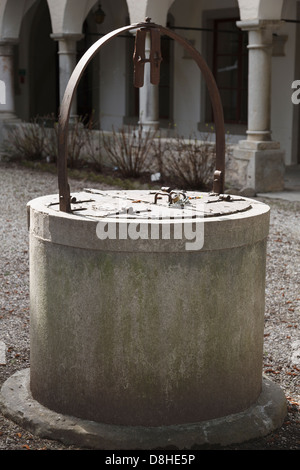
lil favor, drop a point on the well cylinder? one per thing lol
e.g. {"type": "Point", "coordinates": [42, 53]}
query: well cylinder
{"type": "Point", "coordinates": [142, 331]}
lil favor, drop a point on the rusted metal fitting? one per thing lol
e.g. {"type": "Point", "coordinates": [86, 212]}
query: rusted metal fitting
{"type": "Point", "coordinates": [139, 55]}
{"type": "Point", "coordinates": [160, 194]}
{"type": "Point", "coordinates": [179, 198]}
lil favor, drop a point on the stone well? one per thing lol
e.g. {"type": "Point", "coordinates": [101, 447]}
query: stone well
{"type": "Point", "coordinates": [147, 321]}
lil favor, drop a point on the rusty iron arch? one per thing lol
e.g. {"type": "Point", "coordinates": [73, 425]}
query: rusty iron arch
{"type": "Point", "coordinates": [63, 123]}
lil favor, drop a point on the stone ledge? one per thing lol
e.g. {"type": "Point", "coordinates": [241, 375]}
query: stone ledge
{"type": "Point", "coordinates": [266, 415]}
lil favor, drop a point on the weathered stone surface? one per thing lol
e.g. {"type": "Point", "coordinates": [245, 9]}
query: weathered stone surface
{"type": "Point", "coordinates": [263, 416]}
{"type": "Point", "coordinates": [147, 324]}
{"type": "Point", "coordinates": [261, 167]}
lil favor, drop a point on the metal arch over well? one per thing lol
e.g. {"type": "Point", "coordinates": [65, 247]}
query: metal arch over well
{"type": "Point", "coordinates": [139, 61]}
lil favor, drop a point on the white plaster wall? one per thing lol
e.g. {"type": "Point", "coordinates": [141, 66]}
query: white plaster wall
{"type": "Point", "coordinates": [217, 4]}
{"type": "Point", "coordinates": [262, 9]}
{"type": "Point", "coordinates": [248, 9]}
{"type": "Point", "coordinates": [11, 13]}
{"type": "Point", "coordinates": [283, 74]}
{"type": "Point", "coordinates": [187, 76]}
{"type": "Point", "coordinates": [57, 9]}
{"type": "Point", "coordinates": [137, 10]}
{"type": "Point", "coordinates": [154, 9]}
{"type": "Point", "coordinates": [270, 9]}
{"type": "Point", "coordinates": [112, 69]}
{"type": "Point", "coordinates": [113, 84]}
{"type": "Point", "coordinates": [11, 16]}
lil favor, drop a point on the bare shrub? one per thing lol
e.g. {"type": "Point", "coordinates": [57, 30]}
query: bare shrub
{"type": "Point", "coordinates": [93, 148]}
{"type": "Point", "coordinates": [189, 163]}
{"type": "Point", "coordinates": [37, 141]}
{"type": "Point", "coordinates": [80, 144]}
{"type": "Point", "coordinates": [25, 141]}
{"type": "Point", "coordinates": [129, 150]}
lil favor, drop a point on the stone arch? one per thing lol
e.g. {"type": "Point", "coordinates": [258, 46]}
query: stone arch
{"type": "Point", "coordinates": [157, 10]}
{"type": "Point", "coordinates": [67, 19]}
{"type": "Point", "coordinates": [11, 15]}
{"type": "Point", "coordinates": [42, 65]}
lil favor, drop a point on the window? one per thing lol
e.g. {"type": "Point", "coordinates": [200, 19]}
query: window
{"type": "Point", "coordinates": [165, 79]}
{"type": "Point", "coordinates": [230, 68]}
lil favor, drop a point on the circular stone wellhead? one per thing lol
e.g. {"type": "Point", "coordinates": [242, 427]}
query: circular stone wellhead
{"type": "Point", "coordinates": [147, 319]}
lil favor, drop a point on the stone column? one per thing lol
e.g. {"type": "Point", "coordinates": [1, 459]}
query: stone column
{"type": "Point", "coordinates": [67, 50]}
{"type": "Point", "coordinates": [7, 101]}
{"type": "Point", "coordinates": [259, 157]}
{"type": "Point", "coordinates": [259, 104]}
{"type": "Point", "coordinates": [149, 98]}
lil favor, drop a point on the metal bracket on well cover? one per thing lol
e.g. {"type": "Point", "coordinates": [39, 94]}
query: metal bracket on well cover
{"type": "Point", "coordinates": [139, 56]}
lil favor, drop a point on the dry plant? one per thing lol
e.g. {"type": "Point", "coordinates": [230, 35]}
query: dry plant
{"type": "Point", "coordinates": [190, 163]}
{"type": "Point", "coordinates": [35, 141]}
{"type": "Point", "coordinates": [24, 141]}
{"type": "Point", "coordinates": [92, 150]}
{"type": "Point", "coordinates": [129, 149]}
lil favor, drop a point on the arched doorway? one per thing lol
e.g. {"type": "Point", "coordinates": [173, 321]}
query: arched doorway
{"type": "Point", "coordinates": [89, 87]}
{"type": "Point", "coordinates": [43, 64]}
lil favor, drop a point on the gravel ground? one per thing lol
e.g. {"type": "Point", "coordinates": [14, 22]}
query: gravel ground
{"type": "Point", "coordinates": [282, 326]}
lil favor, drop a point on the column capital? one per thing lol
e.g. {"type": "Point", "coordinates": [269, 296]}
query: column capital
{"type": "Point", "coordinates": [67, 42]}
{"type": "Point", "coordinates": [9, 41]}
{"type": "Point", "coordinates": [67, 36]}
{"type": "Point", "coordinates": [6, 46]}
{"type": "Point", "coordinates": [257, 24]}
